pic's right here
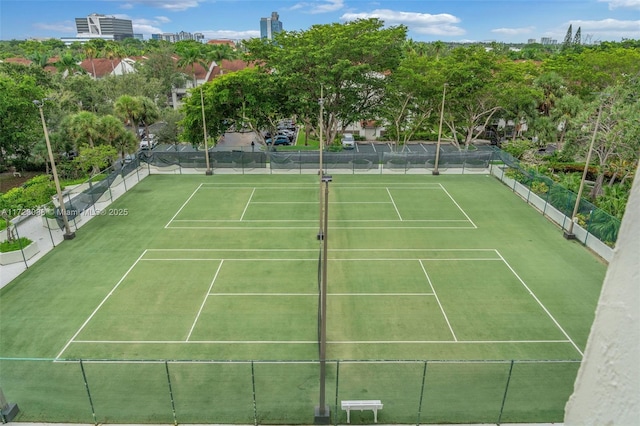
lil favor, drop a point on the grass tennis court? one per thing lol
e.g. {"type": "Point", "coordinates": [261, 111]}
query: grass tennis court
{"type": "Point", "coordinates": [451, 284]}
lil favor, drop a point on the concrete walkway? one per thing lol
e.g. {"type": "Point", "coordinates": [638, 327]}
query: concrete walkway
{"type": "Point", "coordinates": [48, 236]}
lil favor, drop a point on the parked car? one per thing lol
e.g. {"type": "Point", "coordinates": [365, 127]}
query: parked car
{"type": "Point", "coordinates": [279, 140]}
{"type": "Point", "coordinates": [348, 142]}
{"type": "Point", "coordinates": [148, 142]}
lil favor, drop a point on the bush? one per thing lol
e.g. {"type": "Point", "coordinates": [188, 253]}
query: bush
{"type": "Point", "coordinates": [7, 246]}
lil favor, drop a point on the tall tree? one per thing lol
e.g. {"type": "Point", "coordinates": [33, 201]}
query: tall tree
{"type": "Point", "coordinates": [568, 38]}
{"type": "Point", "coordinates": [411, 97]}
{"type": "Point", "coordinates": [344, 64]}
{"type": "Point", "coordinates": [191, 54]}
{"type": "Point", "coordinates": [577, 39]}
{"type": "Point", "coordinates": [129, 109]}
{"type": "Point", "coordinates": [113, 133]}
{"type": "Point", "coordinates": [473, 93]}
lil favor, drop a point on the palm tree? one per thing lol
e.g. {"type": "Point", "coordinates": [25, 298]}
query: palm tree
{"type": "Point", "coordinates": [68, 64]}
{"type": "Point", "coordinates": [90, 52]}
{"type": "Point", "coordinates": [129, 109]}
{"type": "Point", "coordinates": [149, 112]}
{"type": "Point", "coordinates": [113, 133]}
{"type": "Point", "coordinates": [39, 59]}
{"type": "Point", "coordinates": [83, 128]}
{"type": "Point", "coordinates": [113, 51]}
{"type": "Point", "coordinates": [191, 56]}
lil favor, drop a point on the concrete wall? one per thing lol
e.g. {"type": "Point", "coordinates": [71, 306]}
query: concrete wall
{"type": "Point", "coordinates": [607, 389]}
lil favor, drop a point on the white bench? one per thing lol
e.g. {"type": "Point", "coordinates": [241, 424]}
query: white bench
{"type": "Point", "coordinates": [374, 405]}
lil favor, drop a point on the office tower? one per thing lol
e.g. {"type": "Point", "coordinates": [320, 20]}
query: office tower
{"type": "Point", "coordinates": [270, 26]}
{"type": "Point", "coordinates": [102, 26]}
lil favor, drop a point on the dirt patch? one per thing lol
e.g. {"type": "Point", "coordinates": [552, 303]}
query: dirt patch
{"type": "Point", "coordinates": [8, 180]}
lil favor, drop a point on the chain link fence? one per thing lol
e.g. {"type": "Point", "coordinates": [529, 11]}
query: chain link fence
{"type": "Point", "coordinates": [286, 392]}
{"type": "Point", "coordinates": [592, 226]}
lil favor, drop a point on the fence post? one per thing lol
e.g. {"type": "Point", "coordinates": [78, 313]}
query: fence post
{"type": "Point", "coordinates": [506, 389]}
{"type": "Point", "coordinates": [424, 379]}
{"type": "Point", "coordinates": [86, 385]}
{"type": "Point", "coordinates": [335, 417]}
{"type": "Point", "coordinates": [173, 405]}
{"type": "Point", "coordinates": [253, 385]}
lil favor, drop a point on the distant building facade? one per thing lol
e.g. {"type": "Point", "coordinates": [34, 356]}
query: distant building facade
{"type": "Point", "coordinates": [103, 26]}
{"type": "Point", "coordinates": [174, 37]}
{"type": "Point", "coordinates": [270, 26]}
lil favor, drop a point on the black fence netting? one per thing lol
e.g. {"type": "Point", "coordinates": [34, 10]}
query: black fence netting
{"type": "Point", "coordinates": [548, 196]}
{"type": "Point", "coordinates": [594, 220]}
{"type": "Point", "coordinates": [286, 392]}
{"type": "Point", "coordinates": [428, 160]}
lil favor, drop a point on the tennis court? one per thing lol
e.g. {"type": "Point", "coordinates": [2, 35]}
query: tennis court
{"type": "Point", "coordinates": [205, 276]}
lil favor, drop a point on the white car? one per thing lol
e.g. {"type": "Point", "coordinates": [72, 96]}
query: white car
{"type": "Point", "coordinates": [348, 142]}
{"type": "Point", "coordinates": [148, 142]}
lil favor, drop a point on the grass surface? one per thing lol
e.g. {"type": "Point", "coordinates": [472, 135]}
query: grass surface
{"type": "Point", "coordinates": [208, 280]}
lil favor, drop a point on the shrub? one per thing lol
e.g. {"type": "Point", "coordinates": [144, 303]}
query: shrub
{"type": "Point", "coordinates": [7, 246]}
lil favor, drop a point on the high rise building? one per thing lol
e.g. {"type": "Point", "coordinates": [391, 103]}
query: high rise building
{"type": "Point", "coordinates": [102, 26]}
{"type": "Point", "coordinates": [270, 26]}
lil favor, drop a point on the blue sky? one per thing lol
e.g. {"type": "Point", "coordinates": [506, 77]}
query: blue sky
{"type": "Point", "coordinates": [427, 20]}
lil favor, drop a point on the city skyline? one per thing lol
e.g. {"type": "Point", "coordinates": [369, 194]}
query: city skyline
{"type": "Point", "coordinates": [511, 21]}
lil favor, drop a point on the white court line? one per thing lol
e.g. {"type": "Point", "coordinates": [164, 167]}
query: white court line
{"type": "Point", "coordinates": [316, 294]}
{"type": "Point", "coordinates": [242, 259]}
{"type": "Point", "coordinates": [315, 202]}
{"type": "Point", "coordinates": [99, 306]}
{"type": "Point", "coordinates": [316, 228]}
{"type": "Point", "coordinates": [540, 303]}
{"type": "Point", "coordinates": [183, 205]}
{"type": "Point", "coordinates": [438, 300]}
{"type": "Point", "coordinates": [195, 321]}
{"type": "Point", "coordinates": [261, 250]}
{"type": "Point", "coordinates": [331, 342]}
{"type": "Point", "coordinates": [394, 205]}
{"type": "Point", "coordinates": [308, 220]}
{"type": "Point", "coordinates": [454, 202]}
{"type": "Point", "coordinates": [247, 205]}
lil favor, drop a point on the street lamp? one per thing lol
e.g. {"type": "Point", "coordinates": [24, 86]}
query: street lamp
{"type": "Point", "coordinates": [568, 234]}
{"type": "Point", "coordinates": [444, 92]}
{"type": "Point", "coordinates": [68, 235]}
{"type": "Point", "coordinates": [204, 129]}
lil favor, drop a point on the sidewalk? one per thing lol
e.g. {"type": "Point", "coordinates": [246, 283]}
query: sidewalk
{"type": "Point", "coordinates": [48, 237]}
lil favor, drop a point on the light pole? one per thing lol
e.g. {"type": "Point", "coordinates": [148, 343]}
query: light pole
{"type": "Point", "coordinates": [444, 92]}
{"type": "Point", "coordinates": [321, 148]}
{"type": "Point", "coordinates": [208, 172]}
{"type": "Point", "coordinates": [68, 235]}
{"type": "Point", "coordinates": [322, 411]}
{"type": "Point", "coordinates": [568, 234]}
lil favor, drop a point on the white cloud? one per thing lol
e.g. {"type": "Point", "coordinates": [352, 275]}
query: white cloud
{"type": "Point", "coordinates": [442, 24]}
{"type": "Point", "coordinates": [170, 5]}
{"type": "Point", "coordinates": [622, 4]}
{"type": "Point", "coordinates": [59, 27]}
{"type": "Point", "coordinates": [318, 7]}
{"type": "Point", "coordinates": [514, 31]}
